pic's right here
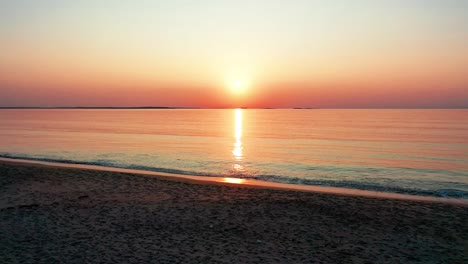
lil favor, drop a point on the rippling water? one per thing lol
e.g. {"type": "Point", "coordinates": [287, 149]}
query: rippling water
{"type": "Point", "coordinates": [407, 151]}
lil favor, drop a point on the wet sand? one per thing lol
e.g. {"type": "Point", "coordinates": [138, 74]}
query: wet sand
{"type": "Point", "coordinates": [69, 215]}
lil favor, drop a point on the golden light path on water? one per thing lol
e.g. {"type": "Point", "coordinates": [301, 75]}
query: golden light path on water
{"type": "Point", "coordinates": [237, 151]}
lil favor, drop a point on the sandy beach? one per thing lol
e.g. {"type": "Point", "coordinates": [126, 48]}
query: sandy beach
{"type": "Point", "coordinates": [69, 215]}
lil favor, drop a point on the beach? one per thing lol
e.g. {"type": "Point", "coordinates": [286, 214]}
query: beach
{"type": "Point", "coordinates": [72, 215]}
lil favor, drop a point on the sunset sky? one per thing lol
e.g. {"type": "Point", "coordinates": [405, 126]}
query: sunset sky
{"type": "Point", "coordinates": [330, 54]}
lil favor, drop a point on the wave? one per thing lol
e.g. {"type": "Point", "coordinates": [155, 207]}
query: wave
{"type": "Point", "coordinates": [447, 193]}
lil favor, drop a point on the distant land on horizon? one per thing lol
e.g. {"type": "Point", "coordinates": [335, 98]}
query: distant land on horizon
{"type": "Point", "coordinates": [180, 107]}
{"type": "Point", "coordinates": [95, 107]}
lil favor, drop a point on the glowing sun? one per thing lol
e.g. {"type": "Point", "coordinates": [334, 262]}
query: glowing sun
{"type": "Point", "coordinates": [238, 86]}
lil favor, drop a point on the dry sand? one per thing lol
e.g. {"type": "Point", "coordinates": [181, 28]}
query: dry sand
{"type": "Point", "coordinates": [68, 215]}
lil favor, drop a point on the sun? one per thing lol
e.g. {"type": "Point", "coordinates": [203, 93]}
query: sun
{"type": "Point", "coordinates": [238, 86]}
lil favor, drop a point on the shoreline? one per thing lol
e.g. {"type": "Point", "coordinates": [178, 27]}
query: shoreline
{"type": "Point", "coordinates": [246, 183]}
{"type": "Point", "coordinates": [57, 214]}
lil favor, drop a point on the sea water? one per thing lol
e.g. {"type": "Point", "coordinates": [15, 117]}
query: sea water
{"type": "Point", "coordinates": [422, 152]}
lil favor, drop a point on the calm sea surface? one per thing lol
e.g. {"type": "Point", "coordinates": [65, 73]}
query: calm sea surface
{"type": "Point", "coordinates": [407, 151]}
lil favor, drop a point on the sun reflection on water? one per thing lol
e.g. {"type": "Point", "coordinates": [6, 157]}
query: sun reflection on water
{"type": "Point", "coordinates": [234, 180]}
{"type": "Point", "coordinates": [238, 147]}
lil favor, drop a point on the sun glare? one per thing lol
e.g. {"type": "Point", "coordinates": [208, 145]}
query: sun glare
{"type": "Point", "coordinates": [238, 86]}
{"type": "Point", "coordinates": [234, 180]}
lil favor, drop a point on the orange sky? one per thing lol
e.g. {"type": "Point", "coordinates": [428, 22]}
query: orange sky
{"type": "Point", "coordinates": [364, 54]}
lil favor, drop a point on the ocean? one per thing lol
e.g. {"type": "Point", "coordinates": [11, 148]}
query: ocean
{"type": "Point", "coordinates": [421, 152]}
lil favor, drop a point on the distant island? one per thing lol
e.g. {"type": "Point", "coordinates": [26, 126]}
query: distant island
{"type": "Point", "coordinates": [139, 107]}
{"type": "Point", "coordinates": [95, 107]}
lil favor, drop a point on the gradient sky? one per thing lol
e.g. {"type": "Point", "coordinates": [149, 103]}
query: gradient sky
{"type": "Point", "coordinates": [337, 54]}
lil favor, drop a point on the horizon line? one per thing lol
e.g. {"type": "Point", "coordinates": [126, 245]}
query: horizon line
{"type": "Point", "coordinates": [194, 107]}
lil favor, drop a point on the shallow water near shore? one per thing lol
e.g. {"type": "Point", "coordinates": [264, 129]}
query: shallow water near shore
{"type": "Point", "coordinates": [422, 152]}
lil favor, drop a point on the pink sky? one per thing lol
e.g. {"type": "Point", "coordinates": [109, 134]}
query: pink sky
{"type": "Point", "coordinates": [365, 54]}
